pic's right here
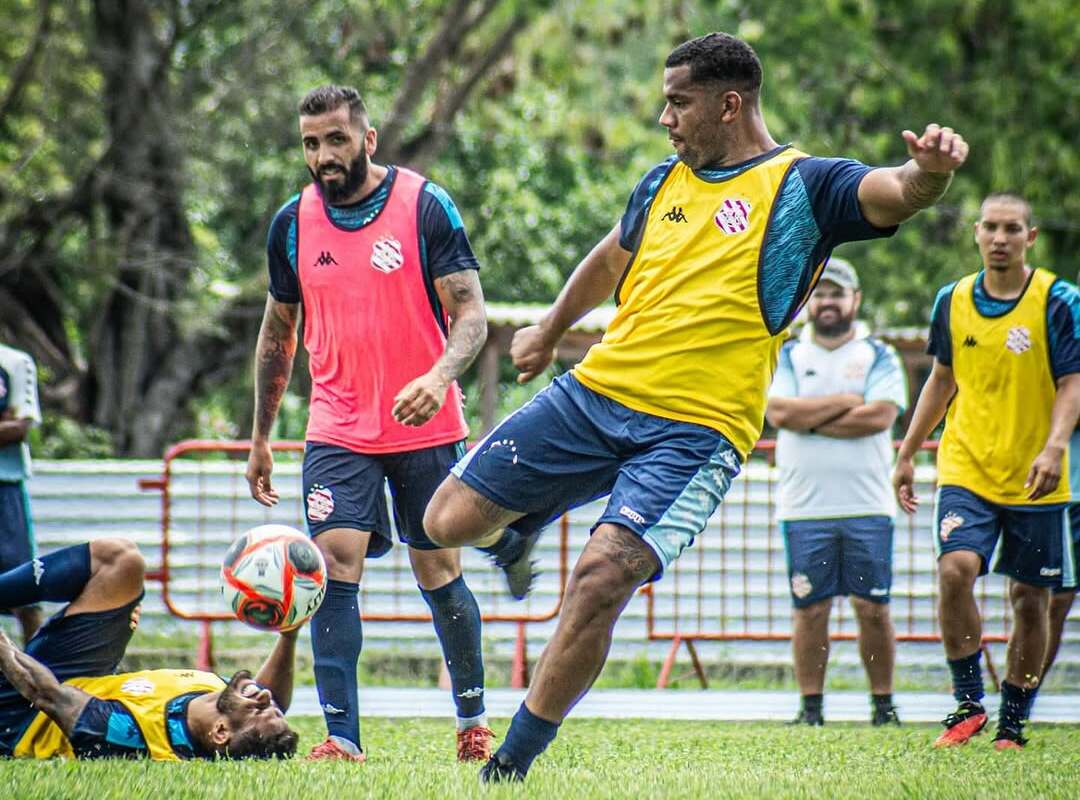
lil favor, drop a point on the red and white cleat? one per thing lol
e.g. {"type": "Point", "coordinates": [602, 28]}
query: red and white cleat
{"type": "Point", "coordinates": [474, 744]}
{"type": "Point", "coordinates": [968, 720]}
{"type": "Point", "coordinates": [330, 750]}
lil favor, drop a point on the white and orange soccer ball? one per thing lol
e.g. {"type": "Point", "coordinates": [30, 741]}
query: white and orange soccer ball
{"type": "Point", "coordinates": [273, 578]}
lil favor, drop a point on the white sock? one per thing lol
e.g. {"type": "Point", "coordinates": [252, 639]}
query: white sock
{"type": "Point", "coordinates": [346, 745]}
{"type": "Point", "coordinates": [464, 723]}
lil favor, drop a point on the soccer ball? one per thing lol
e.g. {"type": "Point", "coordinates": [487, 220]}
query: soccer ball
{"type": "Point", "coordinates": [273, 578]}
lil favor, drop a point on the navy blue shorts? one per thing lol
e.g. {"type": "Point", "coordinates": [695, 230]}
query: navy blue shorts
{"type": "Point", "coordinates": [569, 445]}
{"type": "Point", "coordinates": [345, 489]}
{"type": "Point", "coordinates": [16, 530]}
{"type": "Point", "coordinates": [80, 646]}
{"type": "Point", "coordinates": [830, 557]}
{"type": "Point", "coordinates": [1036, 542]}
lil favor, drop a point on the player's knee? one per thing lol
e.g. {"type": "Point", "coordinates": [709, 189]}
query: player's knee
{"type": "Point", "coordinates": [956, 575]}
{"type": "Point", "coordinates": [816, 613]}
{"type": "Point", "coordinates": [1029, 603]}
{"type": "Point", "coordinates": [602, 584]}
{"type": "Point", "coordinates": [120, 557]}
{"type": "Point", "coordinates": [444, 517]}
{"type": "Point", "coordinates": [870, 613]}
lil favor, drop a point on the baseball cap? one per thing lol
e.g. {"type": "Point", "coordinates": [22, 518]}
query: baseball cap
{"type": "Point", "coordinates": [841, 273]}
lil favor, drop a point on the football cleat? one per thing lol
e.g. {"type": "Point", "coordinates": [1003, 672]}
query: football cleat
{"type": "Point", "coordinates": [804, 718]}
{"type": "Point", "coordinates": [500, 770]}
{"type": "Point", "coordinates": [330, 750]}
{"type": "Point", "coordinates": [968, 720]}
{"type": "Point", "coordinates": [520, 571]}
{"type": "Point", "coordinates": [474, 744]}
{"type": "Point", "coordinates": [1008, 738]}
{"type": "Point", "coordinates": [885, 716]}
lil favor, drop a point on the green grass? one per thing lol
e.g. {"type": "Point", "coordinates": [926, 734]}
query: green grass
{"type": "Point", "coordinates": [603, 759]}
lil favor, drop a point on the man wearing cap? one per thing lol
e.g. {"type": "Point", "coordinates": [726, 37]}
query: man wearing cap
{"type": "Point", "coordinates": [833, 401]}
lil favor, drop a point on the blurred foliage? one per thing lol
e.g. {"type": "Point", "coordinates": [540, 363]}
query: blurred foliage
{"type": "Point", "coordinates": [540, 159]}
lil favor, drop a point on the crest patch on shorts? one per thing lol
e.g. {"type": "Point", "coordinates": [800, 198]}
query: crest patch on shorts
{"type": "Point", "coordinates": [949, 523]}
{"type": "Point", "coordinates": [801, 586]}
{"type": "Point", "coordinates": [320, 503]}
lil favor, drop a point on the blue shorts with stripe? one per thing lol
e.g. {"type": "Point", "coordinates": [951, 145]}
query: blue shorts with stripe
{"type": "Point", "coordinates": [16, 529]}
{"type": "Point", "coordinates": [1074, 523]}
{"type": "Point", "coordinates": [1036, 542]}
{"type": "Point", "coordinates": [570, 445]}
{"type": "Point", "coordinates": [844, 556]}
{"type": "Point", "coordinates": [346, 489]}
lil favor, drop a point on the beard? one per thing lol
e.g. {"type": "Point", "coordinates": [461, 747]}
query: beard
{"type": "Point", "coordinates": [338, 191]}
{"type": "Point", "coordinates": [226, 702]}
{"type": "Point", "coordinates": [838, 327]}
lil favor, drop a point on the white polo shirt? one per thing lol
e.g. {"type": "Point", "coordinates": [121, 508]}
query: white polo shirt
{"type": "Point", "coordinates": [18, 382]}
{"type": "Point", "coordinates": [822, 477]}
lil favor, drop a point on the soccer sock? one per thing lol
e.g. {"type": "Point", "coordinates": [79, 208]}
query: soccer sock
{"type": "Point", "coordinates": [507, 549]}
{"type": "Point", "coordinates": [967, 677]}
{"type": "Point", "coordinates": [527, 738]}
{"type": "Point", "coordinates": [58, 577]}
{"type": "Point", "coordinates": [812, 703]}
{"type": "Point", "coordinates": [881, 702]}
{"type": "Point", "coordinates": [1015, 705]}
{"type": "Point", "coordinates": [457, 624]}
{"type": "Point", "coordinates": [336, 639]}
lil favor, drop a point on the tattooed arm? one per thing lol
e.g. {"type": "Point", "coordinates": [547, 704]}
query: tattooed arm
{"type": "Point", "coordinates": [461, 296]}
{"type": "Point", "coordinates": [61, 703]}
{"type": "Point", "coordinates": [891, 195]}
{"type": "Point", "coordinates": [274, 354]}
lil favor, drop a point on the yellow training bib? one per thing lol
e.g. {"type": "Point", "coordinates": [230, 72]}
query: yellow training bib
{"type": "Point", "coordinates": [999, 419]}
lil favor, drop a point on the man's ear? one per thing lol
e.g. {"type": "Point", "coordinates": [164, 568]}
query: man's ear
{"type": "Point", "coordinates": [220, 733]}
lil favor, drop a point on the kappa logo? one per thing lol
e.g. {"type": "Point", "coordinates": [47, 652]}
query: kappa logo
{"type": "Point", "coordinates": [800, 585]}
{"type": "Point", "coordinates": [320, 503]}
{"type": "Point", "coordinates": [675, 215]}
{"type": "Point", "coordinates": [949, 523]}
{"type": "Point", "coordinates": [39, 570]}
{"type": "Point", "coordinates": [386, 255]}
{"type": "Point", "coordinates": [330, 708]}
{"type": "Point", "coordinates": [137, 686]}
{"type": "Point", "coordinates": [325, 259]}
{"type": "Point", "coordinates": [969, 341]}
{"type": "Point", "coordinates": [476, 691]}
{"type": "Point", "coordinates": [1018, 339]}
{"type": "Point", "coordinates": [733, 216]}
{"type": "Point", "coordinates": [632, 515]}
{"type": "Point", "coordinates": [730, 460]}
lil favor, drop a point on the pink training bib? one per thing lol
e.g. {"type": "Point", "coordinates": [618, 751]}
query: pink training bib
{"type": "Point", "coordinates": [369, 325]}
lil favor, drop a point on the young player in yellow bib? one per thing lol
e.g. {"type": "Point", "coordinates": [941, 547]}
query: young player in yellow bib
{"type": "Point", "coordinates": [62, 696]}
{"type": "Point", "coordinates": [717, 251]}
{"type": "Point", "coordinates": [1006, 379]}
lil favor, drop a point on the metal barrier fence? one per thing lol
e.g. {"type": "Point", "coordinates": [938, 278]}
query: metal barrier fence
{"type": "Point", "coordinates": [205, 504]}
{"type": "Point", "coordinates": [733, 584]}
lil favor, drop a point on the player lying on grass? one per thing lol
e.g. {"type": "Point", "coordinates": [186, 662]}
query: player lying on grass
{"type": "Point", "coordinates": [62, 698]}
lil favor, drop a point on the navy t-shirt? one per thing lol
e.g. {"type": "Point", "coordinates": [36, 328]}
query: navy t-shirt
{"type": "Point", "coordinates": [444, 245]}
{"type": "Point", "coordinates": [815, 209]}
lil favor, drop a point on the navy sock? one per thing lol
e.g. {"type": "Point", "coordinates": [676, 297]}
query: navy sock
{"type": "Point", "coordinates": [336, 639]}
{"type": "Point", "coordinates": [881, 702]}
{"type": "Point", "coordinates": [1015, 705]}
{"type": "Point", "coordinates": [507, 549]}
{"type": "Point", "coordinates": [457, 624]}
{"type": "Point", "coordinates": [811, 704]}
{"type": "Point", "coordinates": [58, 577]}
{"type": "Point", "coordinates": [527, 738]}
{"type": "Point", "coordinates": [967, 677]}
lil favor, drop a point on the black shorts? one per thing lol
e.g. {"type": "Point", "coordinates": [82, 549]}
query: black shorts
{"type": "Point", "coordinates": [78, 646]}
{"type": "Point", "coordinates": [345, 489]}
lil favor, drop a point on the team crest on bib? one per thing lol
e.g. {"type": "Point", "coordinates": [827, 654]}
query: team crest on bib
{"type": "Point", "coordinates": [386, 255]}
{"type": "Point", "coordinates": [320, 503]}
{"type": "Point", "coordinates": [1018, 339]}
{"type": "Point", "coordinates": [137, 686]}
{"type": "Point", "coordinates": [733, 216]}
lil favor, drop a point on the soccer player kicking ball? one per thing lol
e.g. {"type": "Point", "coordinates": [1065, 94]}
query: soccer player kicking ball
{"type": "Point", "coordinates": [719, 248]}
{"type": "Point", "coordinates": [1006, 379]}
{"type": "Point", "coordinates": [62, 698]}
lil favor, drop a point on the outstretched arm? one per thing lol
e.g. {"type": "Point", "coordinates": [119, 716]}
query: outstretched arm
{"type": "Point", "coordinates": [593, 281]}
{"type": "Point", "coordinates": [891, 195]}
{"type": "Point", "coordinates": [463, 298]}
{"type": "Point", "coordinates": [61, 703]}
{"type": "Point", "coordinates": [276, 673]}
{"type": "Point", "coordinates": [274, 354]}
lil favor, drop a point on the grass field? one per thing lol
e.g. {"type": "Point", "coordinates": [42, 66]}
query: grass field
{"type": "Point", "coordinates": [602, 759]}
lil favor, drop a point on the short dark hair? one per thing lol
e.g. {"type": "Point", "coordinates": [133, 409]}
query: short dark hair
{"type": "Point", "coordinates": [250, 743]}
{"type": "Point", "coordinates": [1009, 196]}
{"type": "Point", "coordinates": [719, 58]}
{"type": "Point", "coordinates": [332, 97]}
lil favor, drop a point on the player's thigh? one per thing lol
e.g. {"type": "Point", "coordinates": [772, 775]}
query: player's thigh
{"type": "Point", "coordinates": [1036, 548]}
{"type": "Point", "coordinates": [812, 548]}
{"type": "Point", "coordinates": [16, 538]}
{"type": "Point", "coordinates": [666, 492]}
{"type": "Point", "coordinates": [345, 491]}
{"type": "Point", "coordinates": [963, 521]}
{"type": "Point", "coordinates": [866, 557]}
{"type": "Point", "coordinates": [552, 454]}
